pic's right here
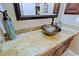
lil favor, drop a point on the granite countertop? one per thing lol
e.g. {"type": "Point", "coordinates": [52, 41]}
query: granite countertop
{"type": "Point", "coordinates": [35, 42]}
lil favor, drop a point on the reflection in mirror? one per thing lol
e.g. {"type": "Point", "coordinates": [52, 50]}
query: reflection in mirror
{"type": "Point", "coordinates": [34, 10]}
{"type": "Point", "coordinates": [56, 8]}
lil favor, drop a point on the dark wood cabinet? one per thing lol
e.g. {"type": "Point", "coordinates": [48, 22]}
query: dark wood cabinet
{"type": "Point", "coordinates": [60, 49]}
{"type": "Point", "coordinates": [72, 8]}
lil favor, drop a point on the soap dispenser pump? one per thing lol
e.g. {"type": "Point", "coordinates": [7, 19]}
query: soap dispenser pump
{"type": "Point", "coordinates": [8, 25]}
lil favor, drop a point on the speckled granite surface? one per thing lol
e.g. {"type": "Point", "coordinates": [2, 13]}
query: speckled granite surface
{"type": "Point", "coordinates": [35, 42]}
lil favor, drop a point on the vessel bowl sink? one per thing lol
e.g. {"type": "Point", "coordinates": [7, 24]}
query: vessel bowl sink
{"type": "Point", "coordinates": [50, 30]}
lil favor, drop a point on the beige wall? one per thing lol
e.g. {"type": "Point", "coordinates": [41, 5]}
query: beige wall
{"type": "Point", "coordinates": [24, 23]}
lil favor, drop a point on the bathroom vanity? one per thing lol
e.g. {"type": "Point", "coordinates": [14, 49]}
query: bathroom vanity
{"type": "Point", "coordinates": [32, 42]}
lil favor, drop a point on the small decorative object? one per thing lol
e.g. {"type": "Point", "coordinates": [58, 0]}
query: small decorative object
{"type": "Point", "coordinates": [8, 25]}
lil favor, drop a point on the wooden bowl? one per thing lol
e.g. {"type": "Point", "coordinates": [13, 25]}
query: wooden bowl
{"type": "Point", "coordinates": [50, 30]}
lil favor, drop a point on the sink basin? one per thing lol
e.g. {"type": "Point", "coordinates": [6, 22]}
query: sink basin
{"type": "Point", "coordinates": [50, 30]}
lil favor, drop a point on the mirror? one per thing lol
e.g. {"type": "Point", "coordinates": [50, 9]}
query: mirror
{"type": "Point", "coordinates": [26, 11]}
